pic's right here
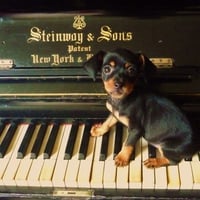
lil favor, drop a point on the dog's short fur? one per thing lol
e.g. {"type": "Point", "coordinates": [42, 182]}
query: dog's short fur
{"type": "Point", "coordinates": [126, 76]}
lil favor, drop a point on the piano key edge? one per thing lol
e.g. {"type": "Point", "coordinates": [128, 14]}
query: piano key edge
{"type": "Point", "coordinates": [86, 193]}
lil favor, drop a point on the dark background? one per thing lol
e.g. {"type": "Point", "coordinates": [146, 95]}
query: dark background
{"type": "Point", "coordinates": [127, 7]}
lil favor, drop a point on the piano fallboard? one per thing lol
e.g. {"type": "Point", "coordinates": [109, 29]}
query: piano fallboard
{"type": "Point", "coordinates": [68, 39]}
{"type": "Point", "coordinates": [86, 98]}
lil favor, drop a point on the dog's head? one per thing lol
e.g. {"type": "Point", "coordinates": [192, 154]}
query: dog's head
{"type": "Point", "coordinates": [120, 70]}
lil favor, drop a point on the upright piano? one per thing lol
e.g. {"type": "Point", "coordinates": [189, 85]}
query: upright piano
{"type": "Point", "coordinates": [48, 104]}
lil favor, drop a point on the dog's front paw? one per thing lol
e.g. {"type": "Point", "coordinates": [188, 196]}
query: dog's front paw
{"type": "Point", "coordinates": [123, 157]}
{"type": "Point", "coordinates": [98, 130]}
{"type": "Point", "coordinates": [156, 162]}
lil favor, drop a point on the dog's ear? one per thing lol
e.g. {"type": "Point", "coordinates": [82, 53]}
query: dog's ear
{"type": "Point", "coordinates": [148, 69]}
{"type": "Point", "coordinates": [94, 64]}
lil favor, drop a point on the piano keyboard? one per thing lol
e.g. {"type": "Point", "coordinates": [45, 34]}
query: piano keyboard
{"type": "Point", "coordinates": [64, 155]}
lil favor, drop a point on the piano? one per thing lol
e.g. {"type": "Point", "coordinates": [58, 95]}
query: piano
{"type": "Point", "coordinates": [48, 104]}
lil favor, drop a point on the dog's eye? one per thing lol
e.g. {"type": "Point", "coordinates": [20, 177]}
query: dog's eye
{"type": "Point", "coordinates": [131, 70]}
{"type": "Point", "coordinates": [107, 69]}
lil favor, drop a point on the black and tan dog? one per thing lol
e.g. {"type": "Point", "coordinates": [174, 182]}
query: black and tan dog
{"type": "Point", "coordinates": [125, 76]}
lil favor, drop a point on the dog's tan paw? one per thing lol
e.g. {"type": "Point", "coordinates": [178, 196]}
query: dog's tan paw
{"type": "Point", "coordinates": [156, 162]}
{"type": "Point", "coordinates": [98, 130]}
{"type": "Point", "coordinates": [121, 159]}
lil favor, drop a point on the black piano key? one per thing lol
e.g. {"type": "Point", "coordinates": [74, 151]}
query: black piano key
{"type": "Point", "coordinates": [85, 141]}
{"type": "Point", "coordinates": [198, 155]}
{"type": "Point", "coordinates": [7, 139]}
{"type": "Point", "coordinates": [151, 151]}
{"type": "Point", "coordinates": [118, 139]}
{"type": "Point", "coordinates": [51, 141]}
{"type": "Point", "coordinates": [38, 142]}
{"type": "Point", "coordinates": [71, 141]}
{"type": "Point", "coordinates": [2, 126]}
{"type": "Point", "coordinates": [104, 147]}
{"type": "Point", "coordinates": [26, 140]}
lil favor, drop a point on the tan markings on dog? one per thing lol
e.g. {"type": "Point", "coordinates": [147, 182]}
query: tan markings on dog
{"type": "Point", "coordinates": [109, 85]}
{"type": "Point", "coordinates": [101, 129]}
{"type": "Point", "coordinates": [156, 162]}
{"type": "Point", "coordinates": [112, 63]}
{"type": "Point", "coordinates": [159, 161]}
{"type": "Point", "coordinates": [127, 65]}
{"type": "Point", "coordinates": [123, 157]}
{"type": "Point", "coordinates": [129, 88]}
{"type": "Point", "coordinates": [123, 119]}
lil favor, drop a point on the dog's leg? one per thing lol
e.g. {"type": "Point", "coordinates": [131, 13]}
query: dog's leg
{"type": "Point", "coordinates": [100, 129]}
{"type": "Point", "coordinates": [123, 157]}
{"type": "Point", "coordinates": [157, 162]}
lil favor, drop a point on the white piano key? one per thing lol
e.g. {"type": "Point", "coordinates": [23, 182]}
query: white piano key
{"type": "Point", "coordinates": [111, 144]}
{"type": "Point", "coordinates": [34, 173]}
{"type": "Point", "coordinates": [160, 175]}
{"type": "Point", "coordinates": [61, 164]}
{"type": "Point", "coordinates": [122, 180]}
{"type": "Point", "coordinates": [135, 175]}
{"type": "Point", "coordinates": [22, 172]}
{"type": "Point", "coordinates": [4, 161]}
{"type": "Point", "coordinates": [173, 177]}
{"type": "Point", "coordinates": [98, 148]}
{"type": "Point", "coordinates": [148, 181]}
{"type": "Point", "coordinates": [11, 169]}
{"type": "Point", "coordinates": [86, 166]}
{"type": "Point", "coordinates": [26, 162]}
{"type": "Point", "coordinates": [98, 166]}
{"type": "Point", "coordinates": [186, 177]}
{"type": "Point", "coordinates": [109, 178]}
{"type": "Point", "coordinates": [49, 164]}
{"type": "Point", "coordinates": [37, 164]}
{"type": "Point", "coordinates": [74, 164]}
{"type": "Point", "coordinates": [160, 178]}
{"type": "Point", "coordinates": [97, 174]}
{"type": "Point", "coordinates": [110, 172]}
{"type": "Point", "coordinates": [195, 164]}
{"type": "Point", "coordinates": [135, 168]}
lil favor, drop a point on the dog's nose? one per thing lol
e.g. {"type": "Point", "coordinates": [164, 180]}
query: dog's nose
{"type": "Point", "coordinates": [117, 85]}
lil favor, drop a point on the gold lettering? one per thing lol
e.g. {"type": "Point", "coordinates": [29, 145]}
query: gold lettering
{"type": "Point", "coordinates": [121, 36]}
{"type": "Point", "coordinates": [79, 60]}
{"type": "Point", "coordinates": [40, 59]}
{"type": "Point", "coordinates": [129, 36]}
{"type": "Point", "coordinates": [72, 48]}
{"type": "Point", "coordinates": [106, 34]}
{"type": "Point", "coordinates": [35, 34]}
{"type": "Point", "coordinates": [57, 59]}
{"type": "Point", "coordinates": [88, 56]}
{"type": "Point", "coordinates": [39, 35]}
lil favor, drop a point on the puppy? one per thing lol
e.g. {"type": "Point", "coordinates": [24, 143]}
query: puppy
{"type": "Point", "coordinates": [126, 76]}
